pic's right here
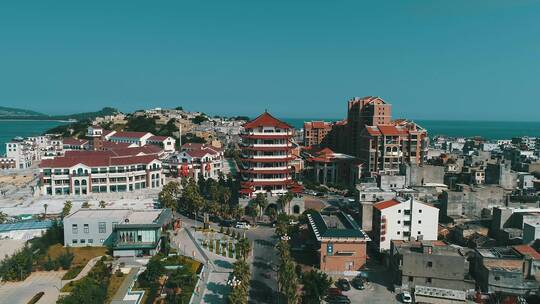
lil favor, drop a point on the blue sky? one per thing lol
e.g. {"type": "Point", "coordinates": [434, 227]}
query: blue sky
{"type": "Point", "coordinates": [458, 59]}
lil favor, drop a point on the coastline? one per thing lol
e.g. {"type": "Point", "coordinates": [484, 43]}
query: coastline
{"type": "Point", "coordinates": [21, 119]}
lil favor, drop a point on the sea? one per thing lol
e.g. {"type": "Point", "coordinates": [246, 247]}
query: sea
{"type": "Point", "coordinates": [490, 130]}
{"type": "Point", "coordinates": [10, 129]}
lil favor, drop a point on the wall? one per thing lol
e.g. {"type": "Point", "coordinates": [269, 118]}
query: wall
{"type": "Point", "coordinates": [337, 264]}
{"type": "Point", "coordinates": [419, 175]}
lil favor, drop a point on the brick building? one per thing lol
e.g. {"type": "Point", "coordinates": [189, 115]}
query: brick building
{"type": "Point", "coordinates": [315, 132]}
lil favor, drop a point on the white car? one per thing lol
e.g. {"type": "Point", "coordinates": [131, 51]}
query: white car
{"type": "Point", "coordinates": [406, 297]}
{"type": "Point", "coordinates": [243, 225]}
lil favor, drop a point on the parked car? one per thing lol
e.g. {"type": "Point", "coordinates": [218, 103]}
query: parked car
{"type": "Point", "coordinates": [243, 225]}
{"type": "Point", "coordinates": [343, 284]}
{"type": "Point", "coordinates": [406, 297]}
{"type": "Point", "coordinates": [338, 299]}
{"type": "Point", "coordinates": [358, 283]}
{"type": "Point", "coordinates": [334, 292]}
{"type": "Point", "coordinates": [228, 223]}
{"type": "Point", "coordinates": [293, 222]}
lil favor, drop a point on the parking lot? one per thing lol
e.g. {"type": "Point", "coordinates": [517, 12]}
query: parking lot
{"type": "Point", "coordinates": [377, 290]}
{"type": "Point", "coordinates": [22, 292]}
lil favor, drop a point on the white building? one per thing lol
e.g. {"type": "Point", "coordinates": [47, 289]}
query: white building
{"type": "Point", "coordinates": [403, 219]}
{"type": "Point", "coordinates": [142, 139]}
{"type": "Point", "coordinates": [195, 160]}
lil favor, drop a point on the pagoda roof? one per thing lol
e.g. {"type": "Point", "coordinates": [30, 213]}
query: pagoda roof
{"type": "Point", "coordinates": [266, 120]}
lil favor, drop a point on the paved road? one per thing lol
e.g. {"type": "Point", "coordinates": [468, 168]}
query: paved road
{"type": "Point", "coordinates": [264, 261]}
{"type": "Point", "coordinates": [22, 292]}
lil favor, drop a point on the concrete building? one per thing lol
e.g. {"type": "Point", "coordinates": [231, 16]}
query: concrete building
{"type": "Point", "coordinates": [509, 271]}
{"type": "Point", "coordinates": [469, 201]}
{"type": "Point", "coordinates": [342, 243]}
{"type": "Point", "coordinates": [403, 219]}
{"type": "Point", "coordinates": [416, 175]}
{"type": "Point", "coordinates": [431, 264]}
{"type": "Point", "coordinates": [141, 139]}
{"type": "Point", "coordinates": [128, 232]}
{"type": "Point", "coordinates": [24, 230]}
{"type": "Point", "coordinates": [315, 132]}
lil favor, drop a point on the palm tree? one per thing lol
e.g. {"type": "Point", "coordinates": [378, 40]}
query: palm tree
{"type": "Point", "coordinates": [67, 208]}
{"type": "Point", "coordinates": [45, 206]}
{"type": "Point", "coordinates": [102, 204]}
{"type": "Point", "coordinates": [261, 202]}
{"type": "Point", "coordinates": [244, 247]}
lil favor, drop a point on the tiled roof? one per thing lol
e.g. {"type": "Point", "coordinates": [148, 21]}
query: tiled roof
{"type": "Point", "coordinates": [74, 141]}
{"type": "Point", "coordinates": [386, 204]}
{"type": "Point", "coordinates": [317, 125]}
{"type": "Point", "coordinates": [99, 158]}
{"type": "Point", "coordinates": [527, 250]}
{"type": "Point", "coordinates": [158, 138]}
{"type": "Point", "coordinates": [129, 134]}
{"type": "Point", "coordinates": [267, 120]}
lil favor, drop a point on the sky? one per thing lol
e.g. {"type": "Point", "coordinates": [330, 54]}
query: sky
{"type": "Point", "coordinates": [443, 60]}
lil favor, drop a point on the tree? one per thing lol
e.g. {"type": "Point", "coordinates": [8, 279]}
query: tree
{"type": "Point", "coordinates": [261, 202]}
{"type": "Point", "coordinates": [199, 119]}
{"type": "Point", "coordinates": [67, 208]}
{"type": "Point", "coordinates": [285, 200]}
{"type": "Point", "coordinates": [153, 271]}
{"type": "Point", "coordinates": [244, 247]}
{"type": "Point", "coordinates": [316, 285]}
{"type": "Point", "coordinates": [3, 217]}
{"type": "Point", "coordinates": [45, 206]}
{"type": "Point", "coordinates": [251, 211]}
{"type": "Point", "coordinates": [192, 198]}
{"type": "Point", "coordinates": [102, 204]}
{"type": "Point", "coordinates": [168, 197]}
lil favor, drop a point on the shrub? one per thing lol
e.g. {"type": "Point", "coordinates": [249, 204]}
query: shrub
{"type": "Point", "coordinates": [65, 260]}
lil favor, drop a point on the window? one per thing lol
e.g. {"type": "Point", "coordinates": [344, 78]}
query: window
{"type": "Point", "coordinates": [83, 241]}
{"type": "Point", "coordinates": [74, 229]}
{"type": "Point", "coordinates": [419, 232]}
{"type": "Point", "coordinates": [497, 278]}
{"type": "Point", "coordinates": [419, 221]}
{"type": "Point", "coordinates": [102, 227]}
{"type": "Point", "coordinates": [399, 211]}
{"type": "Point", "coordinates": [90, 241]}
{"type": "Point", "coordinates": [410, 279]}
{"type": "Point", "coordinates": [399, 222]}
{"type": "Point", "coordinates": [74, 241]}
{"type": "Point", "coordinates": [399, 232]}
{"type": "Point", "coordinates": [419, 210]}
{"type": "Point", "coordinates": [429, 264]}
{"type": "Point", "coordinates": [101, 240]}
{"type": "Point", "coordinates": [86, 228]}
{"type": "Point", "coordinates": [407, 212]}
{"type": "Point", "coordinates": [428, 280]}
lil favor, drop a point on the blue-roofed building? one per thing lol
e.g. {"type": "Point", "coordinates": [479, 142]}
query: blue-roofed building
{"type": "Point", "coordinates": [24, 230]}
{"type": "Point", "coordinates": [342, 243]}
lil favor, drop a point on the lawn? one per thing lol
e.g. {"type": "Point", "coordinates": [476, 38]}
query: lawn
{"type": "Point", "coordinates": [73, 272]}
{"type": "Point", "coordinates": [82, 254]}
{"type": "Point", "coordinates": [114, 284]}
{"type": "Point", "coordinates": [174, 260]}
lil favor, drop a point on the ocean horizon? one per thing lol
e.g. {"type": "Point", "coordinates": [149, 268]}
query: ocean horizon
{"type": "Point", "coordinates": [490, 130]}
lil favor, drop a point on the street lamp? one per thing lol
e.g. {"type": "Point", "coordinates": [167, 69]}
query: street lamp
{"type": "Point", "coordinates": [234, 282]}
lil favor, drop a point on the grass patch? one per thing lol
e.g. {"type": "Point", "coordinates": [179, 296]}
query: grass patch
{"type": "Point", "coordinates": [189, 263]}
{"type": "Point", "coordinates": [114, 284]}
{"type": "Point", "coordinates": [82, 254]}
{"type": "Point", "coordinates": [73, 272]}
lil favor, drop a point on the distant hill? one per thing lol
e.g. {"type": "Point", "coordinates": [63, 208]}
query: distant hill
{"type": "Point", "coordinates": [14, 112]}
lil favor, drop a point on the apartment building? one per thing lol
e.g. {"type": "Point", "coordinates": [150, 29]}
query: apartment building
{"type": "Point", "coordinates": [194, 161]}
{"type": "Point", "coordinates": [86, 172]}
{"type": "Point", "coordinates": [403, 219]}
{"type": "Point", "coordinates": [315, 132]}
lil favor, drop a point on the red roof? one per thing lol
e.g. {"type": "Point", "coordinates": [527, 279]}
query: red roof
{"type": "Point", "coordinates": [266, 120]}
{"type": "Point", "coordinates": [392, 130]}
{"type": "Point", "coordinates": [158, 138]}
{"type": "Point", "coordinates": [110, 145]}
{"type": "Point", "coordinates": [128, 156]}
{"type": "Point", "coordinates": [386, 204]}
{"type": "Point", "coordinates": [129, 134]}
{"type": "Point", "coordinates": [74, 141]}
{"type": "Point", "coordinates": [527, 250]}
{"type": "Point", "coordinates": [317, 125]}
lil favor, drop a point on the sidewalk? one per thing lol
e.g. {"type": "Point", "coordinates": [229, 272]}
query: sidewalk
{"type": "Point", "coordinates": [213, 288]}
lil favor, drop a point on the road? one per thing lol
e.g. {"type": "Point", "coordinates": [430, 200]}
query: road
{"type": "Point", "coordinates": [264, 263]}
